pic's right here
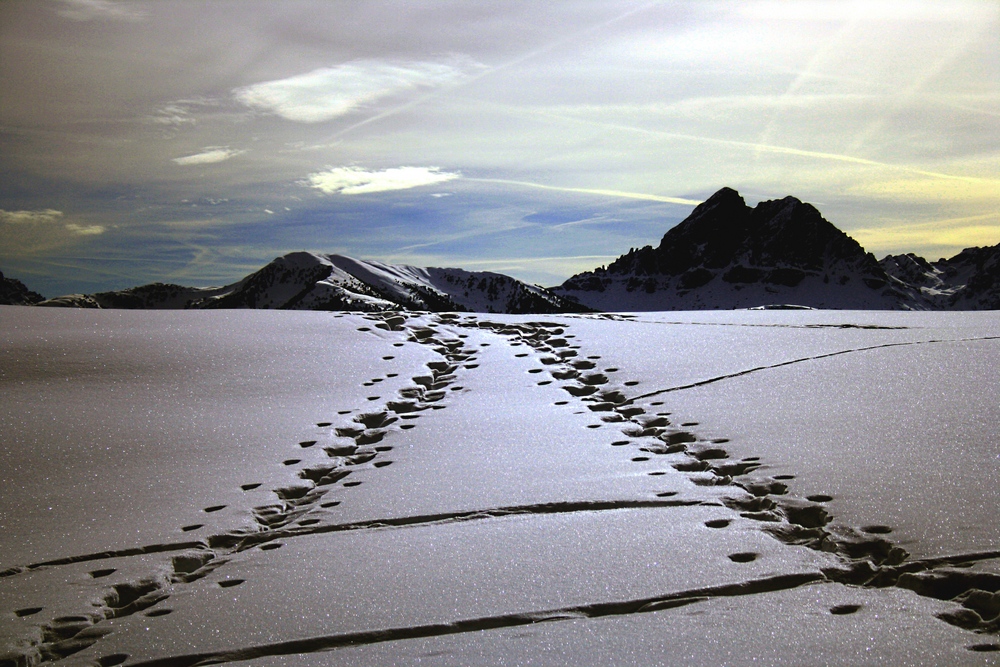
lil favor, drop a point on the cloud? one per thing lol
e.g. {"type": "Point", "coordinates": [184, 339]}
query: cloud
{"type": "Point", "coordinates": [47, 215]}
{"type": "Point", "coordinates": [329, 92]}
{"type": "Point", "coordinates": [26, 233]}
{"type": "Point", "coordinates": [96, 10]}
{"type": "Point", "coordinates": [86, 230]}
{"type": "Point", "coordinates": [209, 155]}
{"type": "Point", "coordinates": [356, 181]}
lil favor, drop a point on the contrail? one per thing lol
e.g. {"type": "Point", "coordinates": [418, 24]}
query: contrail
{"type": "Point", "coordinates": [766, 148]}
{"type": "Point", "coordinates": [592, 191]}
{"type": "Point", "coordinates": [492, 70]}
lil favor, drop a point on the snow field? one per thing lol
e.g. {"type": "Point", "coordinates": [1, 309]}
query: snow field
{"type": "Point", "coordinates": [458, 479]}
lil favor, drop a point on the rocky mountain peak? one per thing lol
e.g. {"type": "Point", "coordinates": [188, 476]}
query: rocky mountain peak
{"type": "Point", "coordinates": [727, 254]}
{"type": "Point", "coordinates": [15, 293]}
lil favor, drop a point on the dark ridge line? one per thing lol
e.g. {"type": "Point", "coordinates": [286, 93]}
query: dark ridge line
{"type": "Point", "coordinates": [748, 371]}
{"type": "Point", "coordinates": [594, 610]}
{"type": "Point", "coordinates": [470, 515]}
{"type": "Point", "coordinates": [875, 327]}
{"type": "Point", "coordinates": [954, 559]}
{"type": "Point", "coordinates": [104, 555]}
{"type": "Point", "coordinates": [245, 541]}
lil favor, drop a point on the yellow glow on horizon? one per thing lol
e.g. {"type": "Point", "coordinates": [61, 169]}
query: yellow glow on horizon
{"type": "Point", "coordinates": [932, 188]}
{"type": "Point", "coordinates": [958, 233]}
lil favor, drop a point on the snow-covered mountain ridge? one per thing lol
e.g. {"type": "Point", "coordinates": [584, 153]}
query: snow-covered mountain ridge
{"type": "Point", "coordinates": [729, 255]}
{"type": "Point", "coordinates": [310, 281]}
{"type": "Point", "coordinates": [725, 255]}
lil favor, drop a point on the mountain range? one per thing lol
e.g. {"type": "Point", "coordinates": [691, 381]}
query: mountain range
{"type": "Point", "coordinates": [729, 255]}
{"type": "Point", "coordinates": [310, 281]}
{"type": "Point", "coordinates": [725, 255]}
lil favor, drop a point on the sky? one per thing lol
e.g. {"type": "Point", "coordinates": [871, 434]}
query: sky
{"type": "Point", "coordinates": [192, 141]}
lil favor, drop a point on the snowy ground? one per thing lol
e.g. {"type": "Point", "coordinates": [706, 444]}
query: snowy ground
{"type": "Point", "coordinates": [299, 489]}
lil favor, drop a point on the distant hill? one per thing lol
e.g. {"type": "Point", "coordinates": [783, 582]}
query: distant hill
{"type": "Point", "coordinates": [308, 281]}
{"type": "Point", "coordinates": [15, 293]}
{"type": "Point", "coordinates": [729, 255]}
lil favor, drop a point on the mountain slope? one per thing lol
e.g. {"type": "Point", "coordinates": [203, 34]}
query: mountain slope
{"type": "Point", "coordinates": [968, 281]}
{"type": "Point", "coordinates": [15, 293]}
{"type": "Point", "coordinates": [308, 281]}
{"type": "Point", "coordinates": [729, 255]}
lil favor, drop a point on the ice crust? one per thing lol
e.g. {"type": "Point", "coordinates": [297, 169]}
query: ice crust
{"type": "Point", "coordinates": [426, 488]}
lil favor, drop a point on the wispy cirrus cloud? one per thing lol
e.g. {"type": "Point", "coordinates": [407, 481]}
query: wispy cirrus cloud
{"type": "Point", "coordinates": [329, 92]}
{"type": "Point", "coordinates": [97, 10]}
{"type": "Point", "coordinates": [209, 155]}
{"type": "Point", "coordinates": [356, 181]}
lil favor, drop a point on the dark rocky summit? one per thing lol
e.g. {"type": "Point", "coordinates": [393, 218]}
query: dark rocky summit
{"type": "Point", "coordinates": [729, 255]}
{"type": "Point", "coordinates": [15, 293]}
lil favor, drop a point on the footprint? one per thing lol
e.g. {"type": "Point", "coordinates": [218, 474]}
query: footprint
{"type": "Point", "coordinates": [819, 498]}
{"type": "Point", "coordinates": [27, 611]}
{"type": "Point", "coordinates": [657, 473]}
{"type": "Point", "coordinates": [620, 443]}
{"type": "Point", "coordinates": [718, 523]}
{"type": "Point", "coordinates": [640, 458]}
{"type": "Point", "coordinates": [229, 583]}
{"type": "Point", "coordinates": [271, 546]}
{"type": "Point", "coordinates": [666, 494]}
{"type": "Point", "coordinates": [286, 462]}
{"type": "Point", "coordinates": [194, 526]}
{"type": "Point", "coordinates": [844, 609]}
{"type": "Point", "coordinates": [355, 483]}
{"type": "Point", "coordinates": [308, 522]}
{"type": "Point", "coordinates": [744, 557]}
{"type": "Point", "coordinates": [382, 464]}
{"type": "Point", "coordinates": [332, 503]}
{"type": "Point", "coordinates": [876, 530]}
{"type": "Point", "coordinates": [214, 508]}
{"type": "Point", "coordinates": [97, 574]}
{"type": "Point", "coordinates": [158, 612]}
{"type": "Point", "coordinates": [307, 443]}
{"type": "Point", "coordinates": [323, 424]}
{"type": "Point", "coordinates": [114, 658]}
{"type": "Point", "coordinates": [631, 383]}
{"type": "Point", "coordinates": [985, 648]}
{"type": "Point", "coordinates": [783, 477]}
